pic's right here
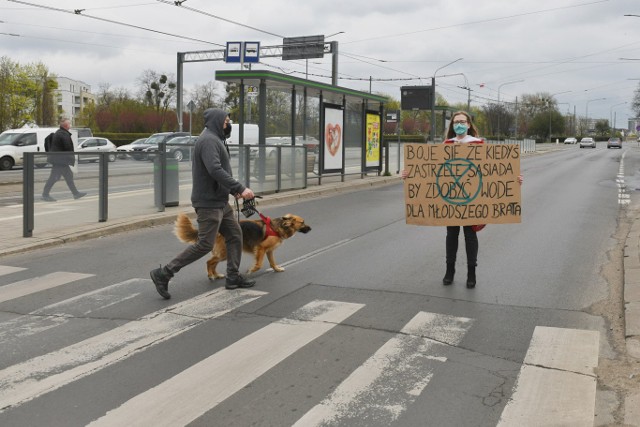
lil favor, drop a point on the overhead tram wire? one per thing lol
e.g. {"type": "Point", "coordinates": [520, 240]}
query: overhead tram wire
{"type": "Point", "coordinates": [114, 22]}
{"type": "Point", "coordinates": [180, 5]}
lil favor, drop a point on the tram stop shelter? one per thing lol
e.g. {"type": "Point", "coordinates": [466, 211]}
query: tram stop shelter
{"type": "Point", "coordinates": [341, 127]}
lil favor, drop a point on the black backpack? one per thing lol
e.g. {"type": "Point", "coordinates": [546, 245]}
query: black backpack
{"type": "Point", "coordinates": [47, 142]}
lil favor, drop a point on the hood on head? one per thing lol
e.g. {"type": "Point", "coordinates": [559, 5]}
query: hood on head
{"type": "Point", "coordinates": [214, 120]}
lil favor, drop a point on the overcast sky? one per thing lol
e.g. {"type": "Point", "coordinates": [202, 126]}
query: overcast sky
{"type": "Point", "coordinates": [571, 48]}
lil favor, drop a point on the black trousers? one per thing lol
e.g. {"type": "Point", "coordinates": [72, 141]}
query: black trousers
{"type": "Point", "coordinates": [470, 241]}
{"type": "Point", "coordinates": [58, 171]}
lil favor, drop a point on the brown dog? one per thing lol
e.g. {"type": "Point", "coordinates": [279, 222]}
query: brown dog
{"type": "Point", "coordinates": [255, 239]}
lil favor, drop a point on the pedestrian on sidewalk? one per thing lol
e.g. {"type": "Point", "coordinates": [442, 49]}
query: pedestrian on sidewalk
{"type": "Point", "coordinates": [61, 164]}
{"type": "Point", "coordinates": [213, 183]}
{"type": "Point", "coordinates": [462, 130]}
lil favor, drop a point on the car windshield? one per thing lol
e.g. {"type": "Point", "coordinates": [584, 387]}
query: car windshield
{"type": "Point", "coordinates": [139, 141]}
{"type": "Point", "coordinates": [155, 139]}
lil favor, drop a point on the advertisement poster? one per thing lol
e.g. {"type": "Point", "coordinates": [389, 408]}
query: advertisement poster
{"type": "Point", "coordinates": [372, 142]}
{"type": "Point", "coordinates": [333, 138]}
{"type": "Point", "coordinates": [462, 184]}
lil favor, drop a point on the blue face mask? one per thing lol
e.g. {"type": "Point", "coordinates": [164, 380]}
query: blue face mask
{"type": "Point", "coordinates": [460, 129]}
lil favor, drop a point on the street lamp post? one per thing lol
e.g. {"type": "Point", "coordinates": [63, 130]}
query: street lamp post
{"type": "Point", "coordinates": [433, 99]}
{"type": "Point", "coordinates": [612, 125]}
{"type": "Point", "coordinates": [587, 111]}
{"type": "Point", "coordinates": [500, 87]}
{"type": "Point", "coordinates": [550, 99]}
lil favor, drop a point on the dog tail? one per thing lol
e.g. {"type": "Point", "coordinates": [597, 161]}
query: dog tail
{"type": "Point", "coordinates": [184, 229]}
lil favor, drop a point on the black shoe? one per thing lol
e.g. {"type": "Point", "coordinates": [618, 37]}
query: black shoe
{"type": "Point", "coordinates": [239, 282]}
{"type": "Point", "coordinates": [79, 195]}
{"type": "Point", "coordinates": [48, 199]}
{"type": "Point", "coordinates": [471, 277]}
{"type": "Point", "coordinates": [471, 283]}
{"type": "Point", "coordinates": [161, 280]}
{"type": "Point", "coordinates": [448, 277]}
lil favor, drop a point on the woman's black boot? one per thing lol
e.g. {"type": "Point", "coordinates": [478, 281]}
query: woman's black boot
{"type": "Point", "coordinates": [451, 271]}
{"type": "Point", "coordinates": [471, 276]}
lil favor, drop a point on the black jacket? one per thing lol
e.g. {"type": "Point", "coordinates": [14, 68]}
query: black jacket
{"type": "Point", "coordinates": [62, 142]}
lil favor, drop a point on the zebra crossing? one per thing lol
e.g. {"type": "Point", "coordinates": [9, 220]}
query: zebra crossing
{"type": "Point", "coordinates": [556, 384]}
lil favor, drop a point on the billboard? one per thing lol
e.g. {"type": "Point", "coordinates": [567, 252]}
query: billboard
{"type": "Point", "coordinates": [416, 97]}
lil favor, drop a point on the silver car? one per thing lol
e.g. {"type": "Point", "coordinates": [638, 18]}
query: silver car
{"type": "Point", "coordinates": [587, 142]}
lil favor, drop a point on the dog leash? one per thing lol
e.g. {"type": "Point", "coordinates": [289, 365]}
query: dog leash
{"type": "Point", "coordinates": [249, 208]}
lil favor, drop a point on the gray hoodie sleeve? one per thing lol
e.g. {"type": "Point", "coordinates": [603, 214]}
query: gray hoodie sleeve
{"type": "Point", "coordinates": [212, 159]}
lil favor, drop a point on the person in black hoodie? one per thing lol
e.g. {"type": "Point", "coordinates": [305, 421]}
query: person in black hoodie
{"type": "Point", "coordinates": [61, 164]}
{"type": "Point", "coordinates": [213, 183]}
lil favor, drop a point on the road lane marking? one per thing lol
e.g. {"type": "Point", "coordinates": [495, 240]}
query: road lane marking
{"type": "Point", "coordinates": [557, 381]}
{"type": "Point", "coordinates": [188, 395]}
{"type": "Point", "coordinates": [6, 269]}
{"type": "Point", "coordinates": [25, 381]}
{"type": "Point", "coordinates": [60, 313]}
{"type": "Point", "coordinates": [38, 284]}
{"type": "Point", "coordinates": [389, 381]}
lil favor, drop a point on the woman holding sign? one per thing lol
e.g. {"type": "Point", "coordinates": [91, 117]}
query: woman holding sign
{"type": "Point", "coordinates": [461, 130]}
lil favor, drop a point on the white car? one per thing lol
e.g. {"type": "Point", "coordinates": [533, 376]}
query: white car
{"type": "Point", "coordinates": [271, 143]}
{"type": "Point", "coordinates": [124, 150]}
{"type": "Point", "coordinates": [94, 144]}
{"type": "Point", "coordinates": [587, 142]}
{"type": "Point", "coordinates": [570, 140]}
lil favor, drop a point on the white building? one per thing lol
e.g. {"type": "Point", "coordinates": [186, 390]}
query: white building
{"type": "Point", "coordinates": [72, 96]}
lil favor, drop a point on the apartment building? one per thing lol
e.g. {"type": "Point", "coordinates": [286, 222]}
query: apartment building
{"type": "Point", "coordinates": [72, 96]}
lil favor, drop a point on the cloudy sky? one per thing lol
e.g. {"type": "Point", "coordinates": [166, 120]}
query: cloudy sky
{"type": "Point", "coordinates": [579, 50]}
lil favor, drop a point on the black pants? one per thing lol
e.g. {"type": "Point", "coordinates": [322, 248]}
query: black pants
{"type": "Point", "coordinates": [56, 172]}
{"type": "Point", "coordinates": [470, 241]}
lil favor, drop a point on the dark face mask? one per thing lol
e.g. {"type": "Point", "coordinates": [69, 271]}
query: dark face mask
{"type": "Point", "coordinates": [227, 131]}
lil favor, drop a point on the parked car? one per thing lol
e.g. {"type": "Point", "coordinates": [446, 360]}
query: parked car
{"type": "Point", "coordinates": [178, 148]}
{"type": "Point", "coordinates": [614, 143]}
{"type": "Point", "coordinates": [124, 150]}
{"type": "Point", "coordinates": [570, 140]}
{"type": "Point", "coordinates": [139, 151]}
{"type": "Point", "coordinates": [95, 144]}
{"type": "Point", "coordinates": [587, 142]}
{"type": "Point", "coordinates": [311, 143]}
{"type": "Point", "coordinates": [15, 142]}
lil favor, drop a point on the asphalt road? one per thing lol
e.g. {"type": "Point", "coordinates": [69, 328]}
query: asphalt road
{"type": "Point", "coordinates": [357, 331]}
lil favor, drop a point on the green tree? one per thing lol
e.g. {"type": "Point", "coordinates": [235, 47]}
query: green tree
{"type": "Point", "coordinates": [158, 92]}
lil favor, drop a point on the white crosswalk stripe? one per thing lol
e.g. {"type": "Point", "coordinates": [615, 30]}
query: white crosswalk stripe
{"type": "Point", "coordinates": [6, 269]}
{"type": "Point", "coordinates": [60, 313]}
{"type": "Point", "coordinates": [25, 381]}
{"type": "Point", "coordinates": [38, 284]}
{"type": "Point", "coordinates": [206, 384]}
{"type": "Point", "coordinates": [395, 375]}
{"type": "Point", "coordinates": [557, 382]}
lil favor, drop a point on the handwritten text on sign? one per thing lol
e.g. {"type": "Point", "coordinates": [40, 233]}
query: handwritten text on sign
{"type": "Point", "coordinates": [462, 184]}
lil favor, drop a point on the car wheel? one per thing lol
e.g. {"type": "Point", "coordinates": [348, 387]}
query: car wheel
{"type": "Point", "coordinates": [6, 163]}
{"type": "Point", "coordinates": [112, 157]}
{"type": "Point", "coordinates": [178, 155]}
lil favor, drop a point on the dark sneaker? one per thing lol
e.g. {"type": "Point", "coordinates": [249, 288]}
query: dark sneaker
{"type": "Point", "coordinates": [48, 199]}
{"type": "Point", "coordinates": [239, 282]}
{"type": "Point", "coordinates": [161, 280]}
{"type": "Point", "coordinates": [79, 195]}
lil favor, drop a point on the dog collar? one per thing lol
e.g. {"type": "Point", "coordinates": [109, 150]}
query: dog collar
{"type": "Point", "coordinates": [269, 230]}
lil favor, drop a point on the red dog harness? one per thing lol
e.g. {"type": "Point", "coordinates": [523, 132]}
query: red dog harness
{"type": "Point", "coordinates": [269, 230]}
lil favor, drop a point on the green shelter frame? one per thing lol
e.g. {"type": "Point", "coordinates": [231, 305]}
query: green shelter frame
{"type": "Point", "coordinates": [325, 93]}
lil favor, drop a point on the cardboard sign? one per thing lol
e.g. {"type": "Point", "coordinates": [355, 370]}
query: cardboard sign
{"type": "Point", "coordinates": [462, 184]}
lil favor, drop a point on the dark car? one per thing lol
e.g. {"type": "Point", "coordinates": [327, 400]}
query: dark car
{"type": "Point", "coordinates": [140, 152]}
{"type": "Point", "coordinates": [178, 148]}
{"type": "Point", "coordinates": [614, 143]}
